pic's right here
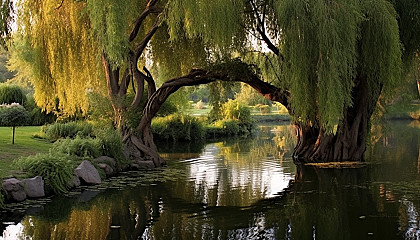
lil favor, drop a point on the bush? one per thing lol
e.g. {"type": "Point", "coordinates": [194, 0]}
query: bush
{"type": "Point", "coordinates": [234, 110]}
{"type": "Point", "coordinates": [55, 168]}
{"type": "Point", "coordinates": [177, 127]}
{"type": "Point", "coordinates": [56, 131]}
{"type": "Point", "coordinates": [110, 143]}
{"type": "Point", "coordinates": [228, 127]}
{"type": "Point", "coordinates": [78, 147]}
{"type": "Point", "coordinates": [36, 115]}
{"type": "Point", "coordinates": [11, 94]}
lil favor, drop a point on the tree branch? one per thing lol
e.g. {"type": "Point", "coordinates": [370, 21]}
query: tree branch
{"type": "Point", "coordinates": [201, 76]}
{"type": "Point", "coordinates": [150, 8]}
{"type": "Point", "coordinates": [140, 48]}
{"type": "Point", "coordinates": [261, 29]}
{"type": "Point", "coordinates": [111, 80]}
{"type": "Point", "coordinates": [125, 81]}
{"type": "Point", "coordinates": [59, 6]}
{"type": "Point", "coordinates": [150, 82]}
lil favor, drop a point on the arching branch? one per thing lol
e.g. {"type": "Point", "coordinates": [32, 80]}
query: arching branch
{"type": "Point", "coordinates": [201, 76]}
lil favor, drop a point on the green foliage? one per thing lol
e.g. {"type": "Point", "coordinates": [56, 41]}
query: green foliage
{"type": "Point", "coordinates": [177, 127]}
{"type": "Point", "coordinates": [37, 116]}
{"type": "Point", "coordinates": [53, 47]}
{"type": "Point", "coordinates": [11, 94]}
{"type": "Point", "coordinates": [215, 21]}
{"type": "Point", "coordinates": [229, 127]}
{"type": "Point", "coordinates": [78, 147]}
{"type": "Point", "coordinates": [100, 108]}
{"type": "Point", "coordinates": [109, 20]}
{"type": "Point", "coordinates": [321, 77]}
{"type": "Point", "coordinates": [248, 96]}
{"type": "Point", "coordinates": [234, 110]}
{"type": "Point", "coordinates": [110, 143]}
{"type": "Point", "coordinates": [235, 120]}
{"type": "Point", "coordinates": [13, 115]}
{"type": "Point", "coordinates": [55, 168]}
{"type": "Point", "coordinates": [409, 23]}
{"type": "Point", "coordinates": [6, 21]}
{"type": "Point", "coordinates": [56, 131]}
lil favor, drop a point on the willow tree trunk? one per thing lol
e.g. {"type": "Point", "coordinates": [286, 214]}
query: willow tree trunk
{"type": "Point", "coordinates": [348, 143]}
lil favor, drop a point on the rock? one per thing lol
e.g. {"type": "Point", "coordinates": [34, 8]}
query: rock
{"type": "Point", "coordinates": [75, 182]}
{"type": "Point", "coordinates": [14, 189]}
{"type": "Point", "coordinates": [34, 187]}
{"type": "Point", "coordinates": [109, 171]}
{"type": "Point", "coordinates": [145, 165]}
{"type": "Point", "coordinates": [107, 160]}
{"type": "Point", "coordinates": [88, 173]}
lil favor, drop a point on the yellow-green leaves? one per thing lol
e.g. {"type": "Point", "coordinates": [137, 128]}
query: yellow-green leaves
{"type": "Point", "coordinates": [54, 48]}
{"type": "Point", "coordinates": [328, 45]}
{"type": "Point", "coordinates": [217, 21]}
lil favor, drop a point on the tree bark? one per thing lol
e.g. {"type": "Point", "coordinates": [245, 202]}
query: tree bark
{"type": "Point", "coordinates": [13, 136]}
{"type": "Point", "coordinates": [348, 143]}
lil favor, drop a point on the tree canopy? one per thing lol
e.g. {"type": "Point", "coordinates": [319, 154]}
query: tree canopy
{"type": "Point", "coordinates": [314, 49]}
{"type": "Point", "coordinates": [326, 61]}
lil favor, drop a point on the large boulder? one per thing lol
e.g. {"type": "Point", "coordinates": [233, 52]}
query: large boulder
{"type": "Point", "coordinates": [88, 173]}
{"type": "Point", "coordinates": [14, 189]}
{"type": "Point", "coordinates": [34, 187]}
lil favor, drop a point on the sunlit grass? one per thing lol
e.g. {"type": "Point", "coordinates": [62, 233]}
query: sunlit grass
{"type": "Point", "coordinates": [25, 145]}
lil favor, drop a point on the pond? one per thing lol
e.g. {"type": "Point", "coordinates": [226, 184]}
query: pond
{"type": "Point", "coordinates": [243, 189]}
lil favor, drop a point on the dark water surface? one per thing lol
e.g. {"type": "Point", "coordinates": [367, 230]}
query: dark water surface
{"type": "Point", "coordinates": [243, 189]}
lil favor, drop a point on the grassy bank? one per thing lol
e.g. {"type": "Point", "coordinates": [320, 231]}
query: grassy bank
{"type": "Point", "coordinates": [25, 145]}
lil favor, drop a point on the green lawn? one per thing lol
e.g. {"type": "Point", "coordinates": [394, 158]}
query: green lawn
{"type": "Point", "coordinates": [25, 145]}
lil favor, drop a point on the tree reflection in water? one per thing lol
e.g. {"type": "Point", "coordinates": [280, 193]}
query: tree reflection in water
{"type": "Point", "coordinates": [231, 190]}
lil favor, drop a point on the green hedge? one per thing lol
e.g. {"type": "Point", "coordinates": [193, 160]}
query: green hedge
{"type": "Point", "coordinates": [55, 168]}
{"type": "Point", "coordinates": [177, 127]}
{"type": "Point", "coordinates": [56, 131]}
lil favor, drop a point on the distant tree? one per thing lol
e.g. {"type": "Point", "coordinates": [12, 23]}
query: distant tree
{"type": "Point", "coordinates": [11, 94]}
{"type": "Point", "coordinates": [13, 116]}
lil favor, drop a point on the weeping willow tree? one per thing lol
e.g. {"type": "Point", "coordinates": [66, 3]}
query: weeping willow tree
{"type": "Point", "coordinates": [326, 61]}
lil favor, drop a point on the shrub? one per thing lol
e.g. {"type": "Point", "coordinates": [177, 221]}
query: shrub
{"type": "Point", "coordinates": [234, 110]}
{"type": "Point", "coordinates": [110, 143]}
{"type": "Point", "coordinates": [229, 127]}
{"type": "Point", "coordinates": [56, 131]}
{"type": "Point", "coordinates": [37, 116]}
{"type": "Point", "coordinates": [55, 168]}
{"type": "Point", "coordinates": [177, 127]}
{"type": "Point", "coordinates": [78, 147]}
{"type": "Point", "coordinates": [11, 94]}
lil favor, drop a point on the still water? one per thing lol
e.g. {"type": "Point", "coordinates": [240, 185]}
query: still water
{"type": "Point", "coordinates": [244, 189]}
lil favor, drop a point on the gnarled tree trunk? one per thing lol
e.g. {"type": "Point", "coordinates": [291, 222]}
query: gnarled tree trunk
{"type": "Point", "coordinates": [348, 143]}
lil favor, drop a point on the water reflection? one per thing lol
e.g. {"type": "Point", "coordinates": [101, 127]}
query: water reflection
{"type": "Point", "coordinates": [239, 189]}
